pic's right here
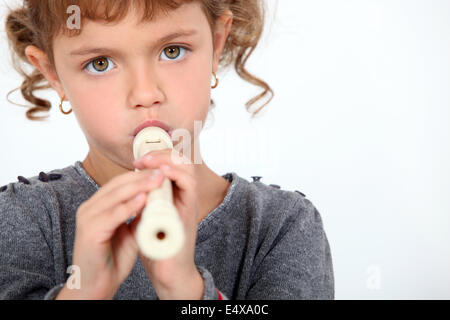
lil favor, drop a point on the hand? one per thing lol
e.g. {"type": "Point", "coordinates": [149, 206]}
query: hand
{"type": "Point", "coordinates": [176, 277]}
{"type": "Point", "coordinates": [105, 249]}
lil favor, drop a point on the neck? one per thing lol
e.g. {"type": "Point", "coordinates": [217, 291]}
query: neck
{"type": "Point", "coordinates": [101, 169]}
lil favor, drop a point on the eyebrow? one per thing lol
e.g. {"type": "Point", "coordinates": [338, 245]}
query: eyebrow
{"type": "Point", "coordinates": [96, 50]}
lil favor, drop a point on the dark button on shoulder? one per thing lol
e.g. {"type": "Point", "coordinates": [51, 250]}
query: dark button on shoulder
{"type": "Point", "coordinates": [23, 180]}
{"type": "Point", "coordinates": [3, 188]}
{"type": "Point", "coordinates": [275, 186]}
{"type": "Point", "coordinates": [256, 178]}
{"type": "Point", "coordinates": [43, 177]}
{"type": "Point", "coordinates": [300, 193]}
{"type": "Point", "coordinates": [54, 176]}
{"type": "Point", "coordinates": [228, 176]}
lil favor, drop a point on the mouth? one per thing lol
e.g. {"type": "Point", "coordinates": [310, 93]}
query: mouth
{"type": "Point", "coordinates": [153, 123]}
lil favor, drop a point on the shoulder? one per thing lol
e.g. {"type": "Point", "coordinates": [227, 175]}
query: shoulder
{"type": "Point", "coordinates": [33, 195]}
{"type": "Point", "coordinates": [273, 198]}
{"type": "Point", "coordinates": [277, 208]}
{"type": "Point", "coordinates": [282, 222]}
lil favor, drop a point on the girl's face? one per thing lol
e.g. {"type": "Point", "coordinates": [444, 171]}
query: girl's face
{"type": "Point", "coordinates": [119, 75]}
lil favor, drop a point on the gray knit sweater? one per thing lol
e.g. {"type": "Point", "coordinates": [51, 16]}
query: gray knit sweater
{"type": "Point", "coordinates": [261, 242]}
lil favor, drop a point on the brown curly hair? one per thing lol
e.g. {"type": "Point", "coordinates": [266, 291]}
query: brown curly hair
{"type": "Point", "coordinates": [37, 22]}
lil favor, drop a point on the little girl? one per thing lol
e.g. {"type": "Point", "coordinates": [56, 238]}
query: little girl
{"type": "Point", "coordinates": [125, 65]}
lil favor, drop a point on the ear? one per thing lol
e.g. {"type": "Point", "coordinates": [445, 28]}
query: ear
{"type": "Point", "coordinates": [221, 32]}
{"type": "Point", "coordinates": [40, 60]}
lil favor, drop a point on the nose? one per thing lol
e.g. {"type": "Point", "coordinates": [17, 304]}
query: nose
{"type": "Point", "coordinates": [144, 86]}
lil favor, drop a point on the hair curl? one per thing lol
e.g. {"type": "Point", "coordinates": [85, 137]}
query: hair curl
{"type": "Point", "coordinates": [38, 22]}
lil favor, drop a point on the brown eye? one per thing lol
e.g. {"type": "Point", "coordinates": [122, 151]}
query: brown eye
{"type": "Point", "coordinates": [100, 64]}
{"type": "Point", "coordinates": [172, 52]}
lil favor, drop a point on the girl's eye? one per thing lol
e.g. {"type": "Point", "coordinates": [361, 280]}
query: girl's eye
{"type": "Point", "coordinates": [99, 65]}
{"type": "Point", "coordinates": [103, 64]}
{"type": "Point", "coordinates": [173, 52]}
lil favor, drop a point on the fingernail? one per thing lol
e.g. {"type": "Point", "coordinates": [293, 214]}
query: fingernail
{"type": "Point", "coordinates": [139, 197]}
{"type": "Point", "coordinates": [155, 174]}
{"type": "Point", "coordinates": [138, 160]}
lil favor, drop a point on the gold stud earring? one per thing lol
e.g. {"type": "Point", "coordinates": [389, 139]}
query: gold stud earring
{"type": "Point", "coordinates": [61, 108]}
{"type": "Point", "coordinates": [217, 81]}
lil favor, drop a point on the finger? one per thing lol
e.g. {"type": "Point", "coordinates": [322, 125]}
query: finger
{"type": "Point", "coordinates": [111, 220]}
{"type": "Point", "coordinates": [127, 191]}
{"type": "Point", "coordinates": [184, 181]}
{"type": "Point", "coordinates": [118, 182]}
{"type": "Point", "coordinates": [151, 153]}
{"type": "Point", "coordinates": [157, 160]}
{"type": "Point", "coordinates": [163, 156]}
{"type": "Point", "coordinates": [124, 246]}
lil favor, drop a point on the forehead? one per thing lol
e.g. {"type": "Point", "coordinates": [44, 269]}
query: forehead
{"type": "Point", "coordinates": [188, 16]}
{"type": "Point", "coordinates": [108, 12]}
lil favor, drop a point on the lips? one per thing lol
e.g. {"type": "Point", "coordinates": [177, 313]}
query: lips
{"type": "Point", "coordinates": [153, 123]}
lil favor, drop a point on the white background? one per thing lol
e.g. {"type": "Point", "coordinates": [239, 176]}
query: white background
{"type": "Point", "coordinates": [359, 123]}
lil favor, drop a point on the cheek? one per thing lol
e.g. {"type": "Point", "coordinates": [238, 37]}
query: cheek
{"type": "Point", "coordinates": [192, 96]}
{"type": "Point", "coordinates": [98, 110]}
